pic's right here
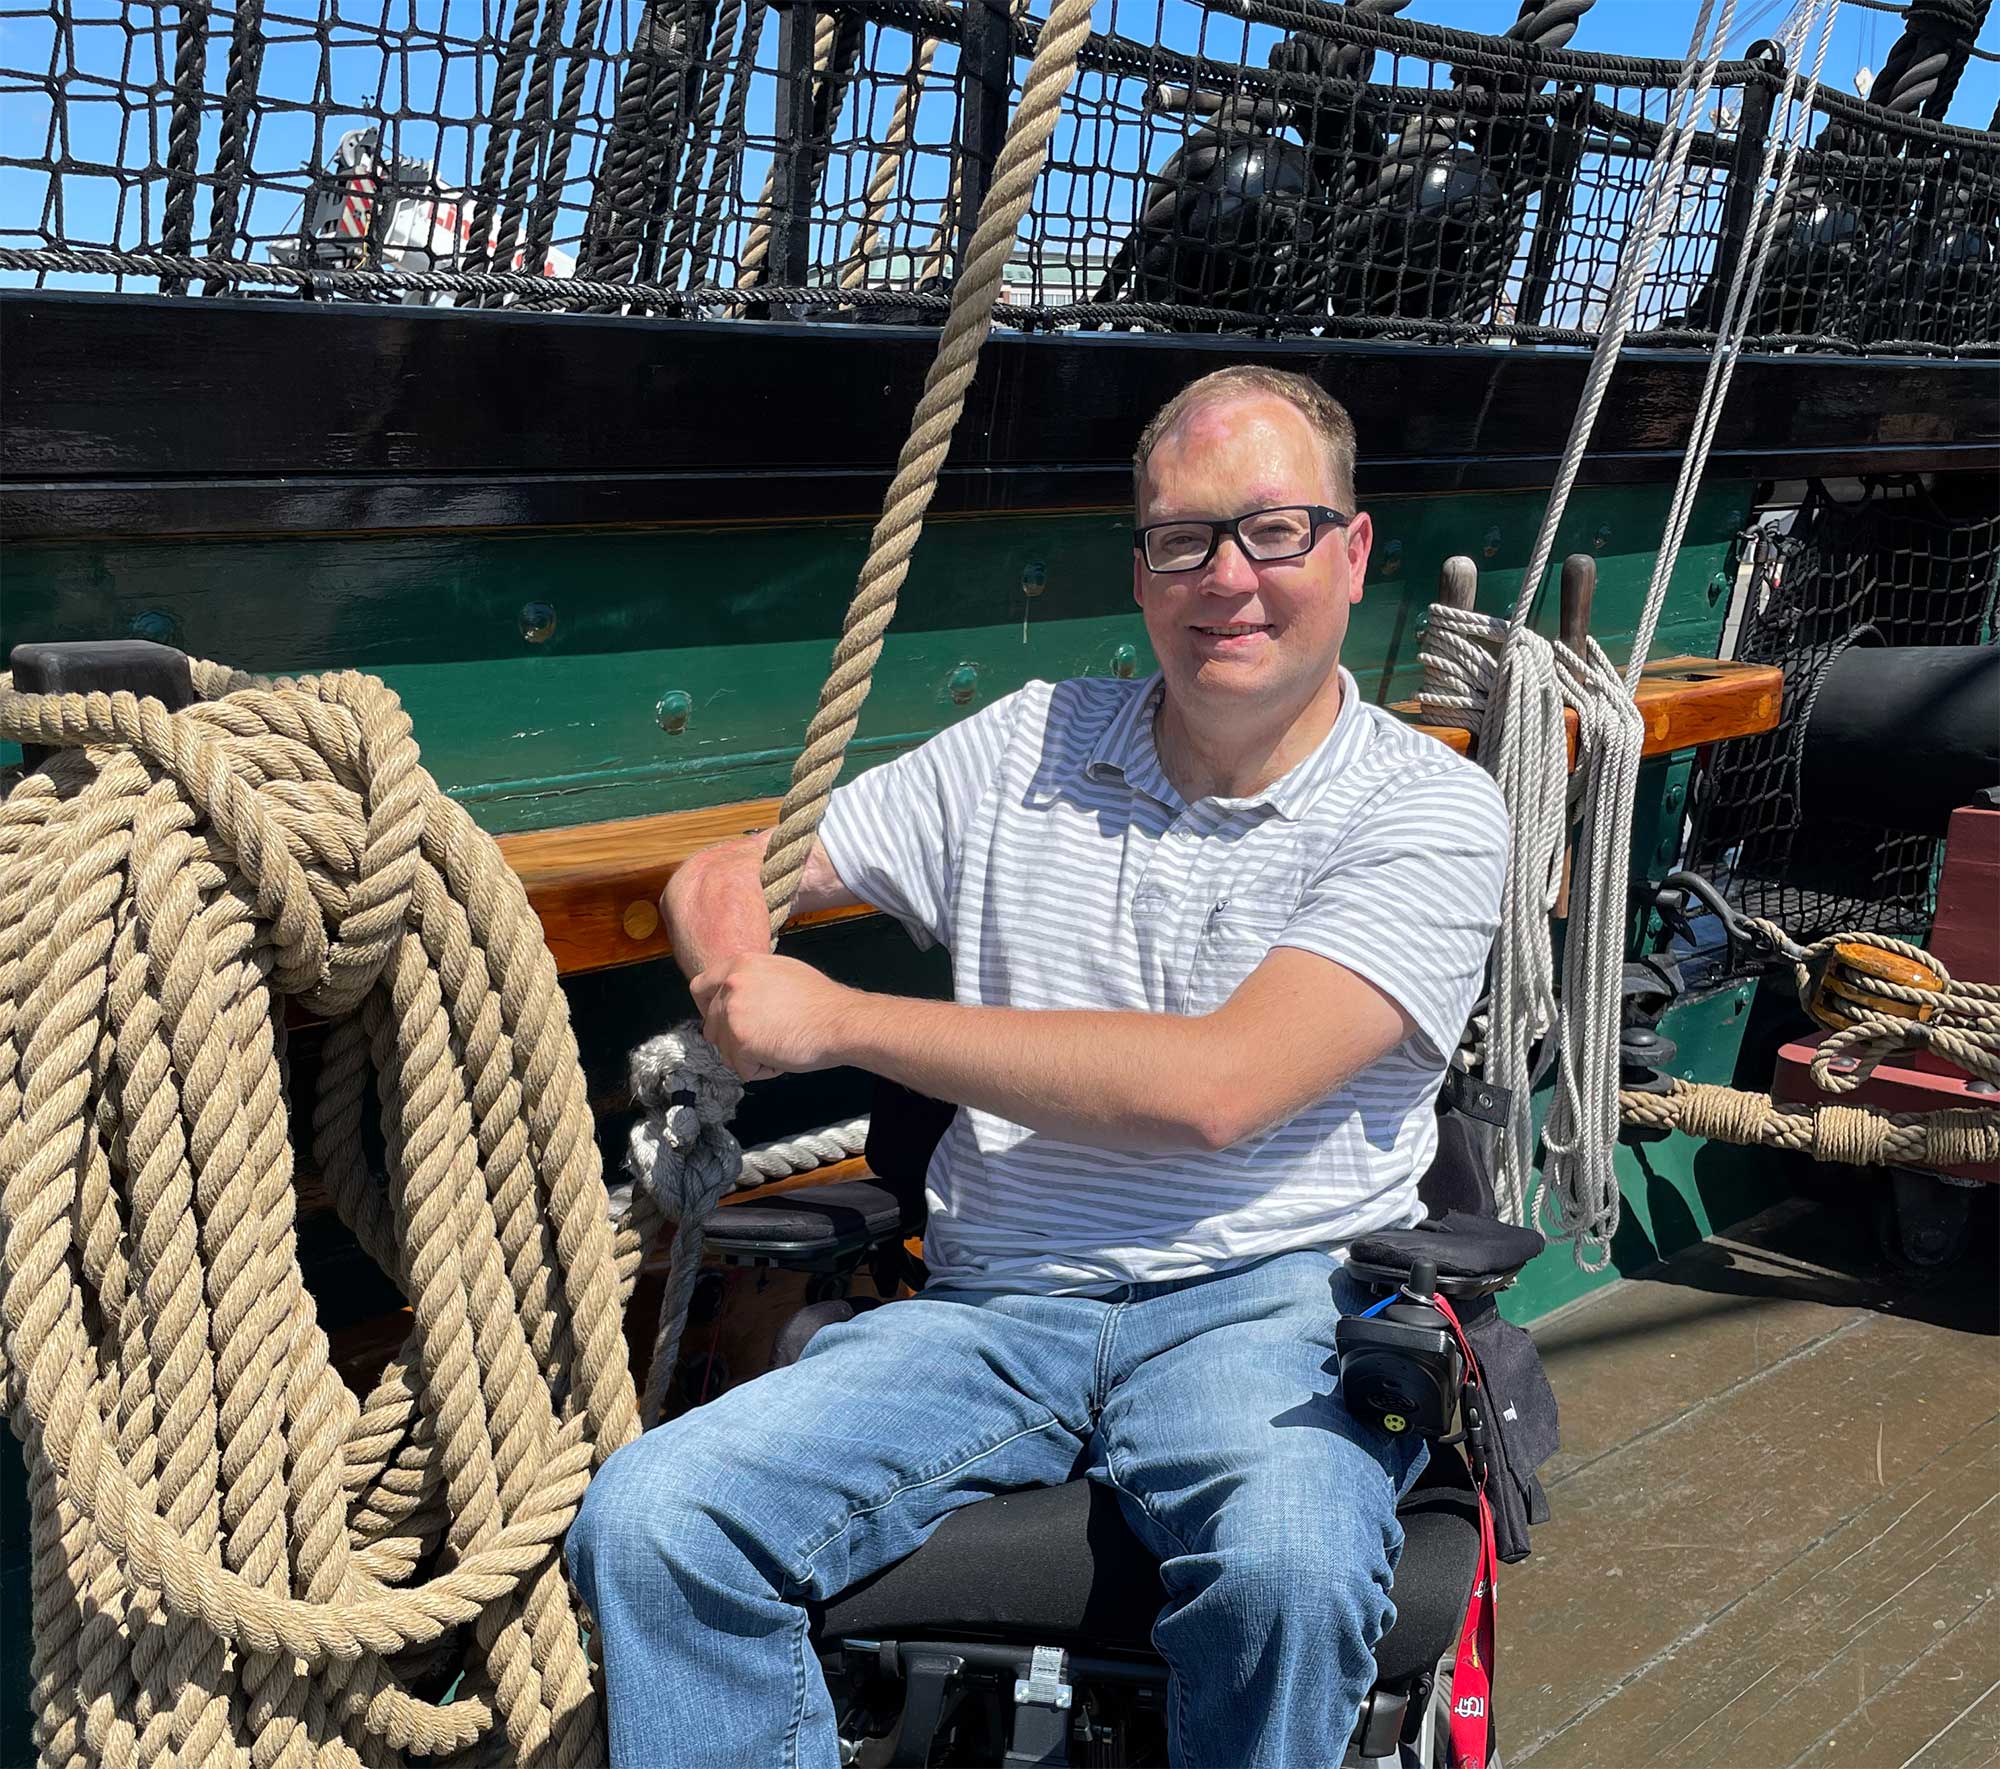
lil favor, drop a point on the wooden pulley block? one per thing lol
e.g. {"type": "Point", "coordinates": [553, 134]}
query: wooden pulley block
{"type": "Point", "coordinates": [1840, 992]}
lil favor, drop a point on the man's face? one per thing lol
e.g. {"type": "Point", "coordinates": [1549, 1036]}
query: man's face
{"type": "Point", "coordinates": [1235, 627]}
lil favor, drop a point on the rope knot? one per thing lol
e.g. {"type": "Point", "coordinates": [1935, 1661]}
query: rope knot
{"type": "Point", "coordinates": [682, 1150]}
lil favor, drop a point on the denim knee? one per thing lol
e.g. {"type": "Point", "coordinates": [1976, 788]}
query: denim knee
{"type": "Point", "coordinates": [659, 1506]}
{"type": "Point", "coordinates": [1295, 1569]}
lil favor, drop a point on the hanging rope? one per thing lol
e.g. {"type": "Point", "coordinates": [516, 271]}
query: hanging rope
{"type": "Point", "coordinates": [235, 1558]}
{"type": "Point", "coordinates": [1767, 204]}
{"type": "Point", "coordinates": [1581, 1134]}
{"type": "Point", "coordinates": [1522, 740]}
{"type": "Point", "coordinates": [1465, 685]}
{"type": "Point", "coordinates": [886, 172]}
{"type": "Point", "coordinates": [1008, 197]}
{"type": "Point", "coordinates": [678, 1149]}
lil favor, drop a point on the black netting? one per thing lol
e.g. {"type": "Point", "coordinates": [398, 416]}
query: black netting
{"type": "Point", "coordinates": [1255, 164]}
{"type": "Point", "coordinates": [1903, 565]}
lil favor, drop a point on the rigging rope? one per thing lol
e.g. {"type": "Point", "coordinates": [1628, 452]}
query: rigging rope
{"type": "Point", "coordinates": [1955, 1020]}
{"type": "Point", "coordinates": [1581, 1135]}
{"type": "Point", "coordinates": [681, 1063]}
{"type": "Point", "coordinates": [1522, 740]}
{"type": "Point", "coordinates": [1530, 680]}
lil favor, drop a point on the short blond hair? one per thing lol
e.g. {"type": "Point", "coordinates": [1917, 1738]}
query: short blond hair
{"type": "Point", "coordinates": [1327, 416]}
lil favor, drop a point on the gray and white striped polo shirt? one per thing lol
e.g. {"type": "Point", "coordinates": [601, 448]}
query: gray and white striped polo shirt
{"type": "Point", "coordinates": [1040, 842]}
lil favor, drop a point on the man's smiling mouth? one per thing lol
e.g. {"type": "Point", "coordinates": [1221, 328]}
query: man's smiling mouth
{"type": "Point", "coordinates": [1233, 629]}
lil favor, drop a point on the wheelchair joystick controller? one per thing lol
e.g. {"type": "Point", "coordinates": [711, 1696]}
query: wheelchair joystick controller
{"type": "Point", "coordinates": [1400, 1367]}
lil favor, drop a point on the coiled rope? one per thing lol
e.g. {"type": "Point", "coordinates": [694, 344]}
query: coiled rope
{"type": "Point", "coordinates": [1962, 1026]}
{"type": "Point", "coordinates": [234, 1556]}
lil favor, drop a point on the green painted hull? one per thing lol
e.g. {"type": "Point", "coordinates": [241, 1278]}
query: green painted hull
{"type": "Point", "coordinates": [532, 732]}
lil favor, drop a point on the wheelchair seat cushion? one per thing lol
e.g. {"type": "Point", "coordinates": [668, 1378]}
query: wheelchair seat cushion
{"type": "Point", "coordinates": [1058, 1566]}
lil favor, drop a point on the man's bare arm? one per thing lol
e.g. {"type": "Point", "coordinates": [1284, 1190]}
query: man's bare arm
{"type": "Point", "coordinates": [1297, 1028]}
{"type": "Point", "coordinates": [714, 904]}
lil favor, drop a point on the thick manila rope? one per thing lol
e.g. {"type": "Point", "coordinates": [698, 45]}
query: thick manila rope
{"type": "Point", "coordinates": [683, 1155]}
{"type": "Point", "coordinates": [1515, 703]}
{"type": "Point", "coordinates": [234, 1558]}
{"type": "Point", "coordinates": [887, 170]}
{"type": "Point", "coordinates": [1856, 1136]}
{"type": "Point", "coordinates": [1008, 199]}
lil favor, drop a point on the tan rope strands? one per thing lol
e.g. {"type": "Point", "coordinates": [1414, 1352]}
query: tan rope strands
{"type": "Point", "coordinates": [235, 1558]}
{"type": "Point", "coordinates": [1015, 173]}
{"type": "Point", "coordinates": [1859, 1136]}
{"type": "Point", "coordinates": [887, 170]}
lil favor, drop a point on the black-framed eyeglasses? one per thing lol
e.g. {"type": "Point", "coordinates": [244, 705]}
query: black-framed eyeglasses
{"type": "Point", "coordinates": [1287, 532]}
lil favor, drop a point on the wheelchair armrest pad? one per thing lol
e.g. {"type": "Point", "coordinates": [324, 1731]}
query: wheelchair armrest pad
{"type": "Point", "coordinates": [1458, 1244]}
{"type": "Point", "coordinates": [790, 1344]}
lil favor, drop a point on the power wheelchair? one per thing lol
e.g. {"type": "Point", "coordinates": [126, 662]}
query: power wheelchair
{"type": "Point", "coordinates": [1020, 1632]}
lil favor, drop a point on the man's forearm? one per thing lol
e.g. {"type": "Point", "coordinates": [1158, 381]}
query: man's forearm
{"type": "Point", "coordinates": [714, 906]}
{"type": "Point", "coordinates": [1107, 1080]}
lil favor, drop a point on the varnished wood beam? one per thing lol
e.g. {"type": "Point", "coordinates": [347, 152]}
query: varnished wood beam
{"type": "Point", "coordinates": [596, 886]}
{"type": "Point", "coordinates": [1685, 701]}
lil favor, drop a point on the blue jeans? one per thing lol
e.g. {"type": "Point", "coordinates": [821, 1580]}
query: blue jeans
{"type": "Point", "coordinates": [1209, 1405]}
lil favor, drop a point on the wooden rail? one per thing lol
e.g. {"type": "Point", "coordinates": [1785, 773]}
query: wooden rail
{"type": "Point", "coordinates": [596, 886]}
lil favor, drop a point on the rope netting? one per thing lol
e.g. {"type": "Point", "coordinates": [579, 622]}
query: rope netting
{"type": "Point", "coordinates": [1267, 165]}
{"type": "Point", "coordinates": [1888, 563]}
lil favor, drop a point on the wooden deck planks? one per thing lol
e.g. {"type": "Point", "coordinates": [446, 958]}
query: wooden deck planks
{"type": "Point", "coordinates": [1774, 1540]}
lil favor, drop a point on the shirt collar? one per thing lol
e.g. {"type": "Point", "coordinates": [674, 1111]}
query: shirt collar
{"type": "Point", "coordinates": [1126, 752]}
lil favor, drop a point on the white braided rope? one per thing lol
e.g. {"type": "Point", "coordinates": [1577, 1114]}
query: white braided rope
{"type": "Point", "coordinates": [1655, 212]}
{"type": "Point", "coordinates": [1580, 1138]}
{"type": "Point", "coordinates": [1767, 205]}
{"type": "Point", "coordinates": [1514, 702]}
{"type": "Point", "coordinates": [782, 1158]}
{"type": "Point", "coordinates": [1465, 684]}
{"type": "Point", "coordinates": [801, 1154]}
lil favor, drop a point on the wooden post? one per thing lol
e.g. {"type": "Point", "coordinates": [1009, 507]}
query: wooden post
{"type": "Point", "coordinates": [986, 71]}
{"type": "Point", "coordinates": [1579, 587]}
{"type": "Point", "coordinates": [1458, 582]}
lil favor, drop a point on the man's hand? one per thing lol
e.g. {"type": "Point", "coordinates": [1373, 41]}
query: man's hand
{"type": "Point", "coordinates": [773, 1016]}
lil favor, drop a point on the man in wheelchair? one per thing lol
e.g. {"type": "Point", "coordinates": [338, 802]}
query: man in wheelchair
{"type": "Point", "coordinates": [1214, 938]}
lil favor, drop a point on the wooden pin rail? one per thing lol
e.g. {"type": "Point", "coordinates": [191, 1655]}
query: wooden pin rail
{"type": "Point", "coordinates": [596, 886]}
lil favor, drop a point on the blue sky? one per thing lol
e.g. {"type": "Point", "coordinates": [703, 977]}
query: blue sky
{"type": "Point", "coordinates": [1660, 27]}
{"type": "Point", "coordinates": [117, 49]}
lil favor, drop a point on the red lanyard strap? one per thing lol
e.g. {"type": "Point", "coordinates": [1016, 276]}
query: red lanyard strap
{"type": "Point", "coordinates": [1472, 1673]}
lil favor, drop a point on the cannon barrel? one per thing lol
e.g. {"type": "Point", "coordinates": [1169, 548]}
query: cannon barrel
{"type": "Point", "coordinates": [1900, 736]}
